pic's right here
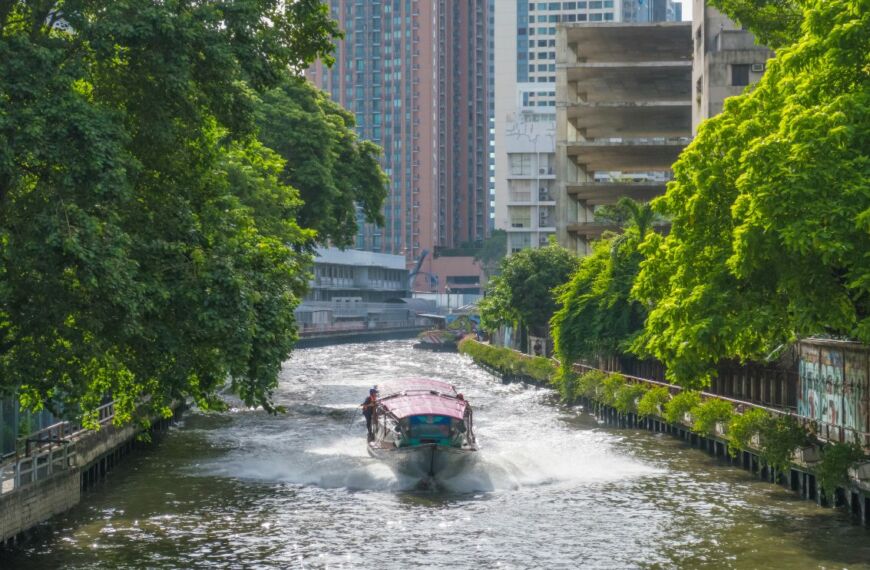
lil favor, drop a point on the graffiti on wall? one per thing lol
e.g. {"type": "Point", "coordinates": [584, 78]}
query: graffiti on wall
{"type": "Point", "coordinates": [834, 385]}
{"type": "Point", "coordinates": [810, 394]}
{"type": "Point", "coordinates": [855, 390]}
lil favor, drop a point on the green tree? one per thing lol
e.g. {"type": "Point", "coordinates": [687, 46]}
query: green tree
{"type": "Point", "coordinates": [334, 171]}
{"type": "Point", "coordinates": [770, 210]}
{"type": "Point", "coordinates": [491, 252]}
{"type": "Point", "coordinates": [597, 318]}
{"type": "Point", "coordinates": [148, 247]}
{"type": "Point", "coordinates": [523, 293]}
{"type": "Point", "coordinates": [775, 23]}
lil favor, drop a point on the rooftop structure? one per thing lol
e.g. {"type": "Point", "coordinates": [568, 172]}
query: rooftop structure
{"type": "Point", "coordinates": [727, 59]}
{"type": "Point", "coordinates": [623, 115]}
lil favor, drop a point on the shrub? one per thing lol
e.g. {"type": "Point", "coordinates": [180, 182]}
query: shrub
{"type": "Point", "coordinates": [780, 436]}
{"type": "Point", "coordinates": [566, 381]}
{"type": "Point", "coordinates": [508, 361]}
{"type": "Point", "coordinates": [832, 470]}
{"type": "Point", "coordinates": [652, 402]}
{"type": "Point", "coordinates": [626, 397]}
{"type": "Point", "coordinates": [537, 367]}
{"type": "Point", "coordinates": [742, 427]}
{"type": "Point", "coordinates": [680, 404]}
{"type": "Point", "coordinates": [609, 386]}
{"type": "Point", "coordinates": [707, 414]}
{"type": "Point", "coordinates": [589, 384]}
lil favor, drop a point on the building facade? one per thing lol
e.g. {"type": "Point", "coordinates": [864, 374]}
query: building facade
{"type": "Point", "coordinates": [368, 276]}
{"type": "Point", "coordinates": [416, 75]}
{"type": "Point", "coordinates": [525, 46]}
{"type": "Point", "coordinates": [623, 116]}
{"type": "Point", "coordinates": [727, 59]}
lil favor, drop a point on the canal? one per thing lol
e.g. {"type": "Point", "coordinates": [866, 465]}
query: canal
{"type": "Point", "coordinates": [555, 489]}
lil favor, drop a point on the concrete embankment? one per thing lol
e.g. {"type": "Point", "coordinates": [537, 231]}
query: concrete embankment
{"type": "Point", "coordinates": [344, 337]}
{"type": "Point", "coordinates": [49, 479]}
{"type": "Point", "coordinates": [800, 477]}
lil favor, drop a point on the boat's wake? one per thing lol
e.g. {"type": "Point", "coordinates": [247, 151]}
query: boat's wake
{"type": "Point", "coordinates": [344, 463]}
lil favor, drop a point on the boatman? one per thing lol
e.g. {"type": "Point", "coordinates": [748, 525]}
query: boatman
{"type": "Point", "coordinates": [368, 407]}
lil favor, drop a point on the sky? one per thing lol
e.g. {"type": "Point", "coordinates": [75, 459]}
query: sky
{"type": "Point", "coordinates": [687, 10]}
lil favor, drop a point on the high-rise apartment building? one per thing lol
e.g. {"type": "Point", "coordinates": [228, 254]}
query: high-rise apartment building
{"type": "Point", "coordinates": [416, 75]}
{"type": "Point", "coordinates": [525, 99]}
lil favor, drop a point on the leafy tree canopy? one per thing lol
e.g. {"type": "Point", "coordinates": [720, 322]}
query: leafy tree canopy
{"type": "Point", "coordinates": [524, 290]}
{"type": "Point", "coordinates": [334, 172]}
{"type": "Point", "coordinates": [775, 23]}
{"type": "Point", "coordinates": [597, 318]}
{"type": "Point", "coordinates": [148, 242]}
{"type": "Point", "coordinates": [771, 210]}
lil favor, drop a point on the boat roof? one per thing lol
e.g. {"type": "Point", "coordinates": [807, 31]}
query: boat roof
{"type": "Point", "coordinates": [422, 397]}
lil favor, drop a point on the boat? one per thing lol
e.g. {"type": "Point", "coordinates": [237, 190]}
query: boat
{"type": "Point", "coordinates": [424, 429]}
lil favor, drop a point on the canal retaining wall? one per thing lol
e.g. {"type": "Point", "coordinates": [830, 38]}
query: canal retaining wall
{"type": "Point", "coordinates": [800, 477]}
{"type": "Point", "coordinates": [58, 464]}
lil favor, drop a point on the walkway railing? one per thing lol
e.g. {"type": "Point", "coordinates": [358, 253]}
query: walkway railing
{"type": "Point", "coordinates": [44, 452]}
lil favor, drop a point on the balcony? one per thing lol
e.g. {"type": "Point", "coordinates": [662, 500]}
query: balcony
{"type": "Point", "coordinates": [598, 193]}
{"type": "Point", "coordinates": [634, 81]}
{"type": "Point", "coordinates": [626, 156]}
{"type": "Point", "coordinates": [631, 119]}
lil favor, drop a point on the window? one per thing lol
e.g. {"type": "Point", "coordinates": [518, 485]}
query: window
{"type": "Point", "coordinates": [740, 74]}
{"type": "Point", "coordinates": [521, 164]}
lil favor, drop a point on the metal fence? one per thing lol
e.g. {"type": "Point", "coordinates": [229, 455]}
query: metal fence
{"type": "Point", "coordinates": [44, 452]}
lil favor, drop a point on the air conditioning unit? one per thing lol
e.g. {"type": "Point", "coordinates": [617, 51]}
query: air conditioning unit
{"type": "Point", "coordinates": [542, 171]}
{"type": "Point", "coordinates": [757, 67]}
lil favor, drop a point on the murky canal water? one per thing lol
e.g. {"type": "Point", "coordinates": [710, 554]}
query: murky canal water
{"type": "Point", "coordinates": [554, 490]}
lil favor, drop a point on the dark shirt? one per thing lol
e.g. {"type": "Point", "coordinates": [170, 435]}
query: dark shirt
{"type": "Point", "coordinates": [369, 406]}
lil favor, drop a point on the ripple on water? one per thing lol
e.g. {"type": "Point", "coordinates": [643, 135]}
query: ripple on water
{"type": "Point", "coordinates": [552, 490]}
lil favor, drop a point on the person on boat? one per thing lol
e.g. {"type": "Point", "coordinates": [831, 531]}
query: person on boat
{"type": "Point", "coordinates": [368, 407]}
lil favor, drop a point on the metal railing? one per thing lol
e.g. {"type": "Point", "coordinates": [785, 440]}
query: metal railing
{"type": "Point", "coordinates": [44, 452]}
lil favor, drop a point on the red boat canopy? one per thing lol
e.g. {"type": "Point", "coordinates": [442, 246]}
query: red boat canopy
{"type": "Point", "coordinates": [422, 397]}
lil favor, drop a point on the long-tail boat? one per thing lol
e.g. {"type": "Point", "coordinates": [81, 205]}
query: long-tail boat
{"type": "Point", "coordinates": [423, 428]}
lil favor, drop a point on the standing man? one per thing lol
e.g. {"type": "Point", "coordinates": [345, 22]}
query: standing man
{"type": "Point", "coordinates": [368, 407]}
